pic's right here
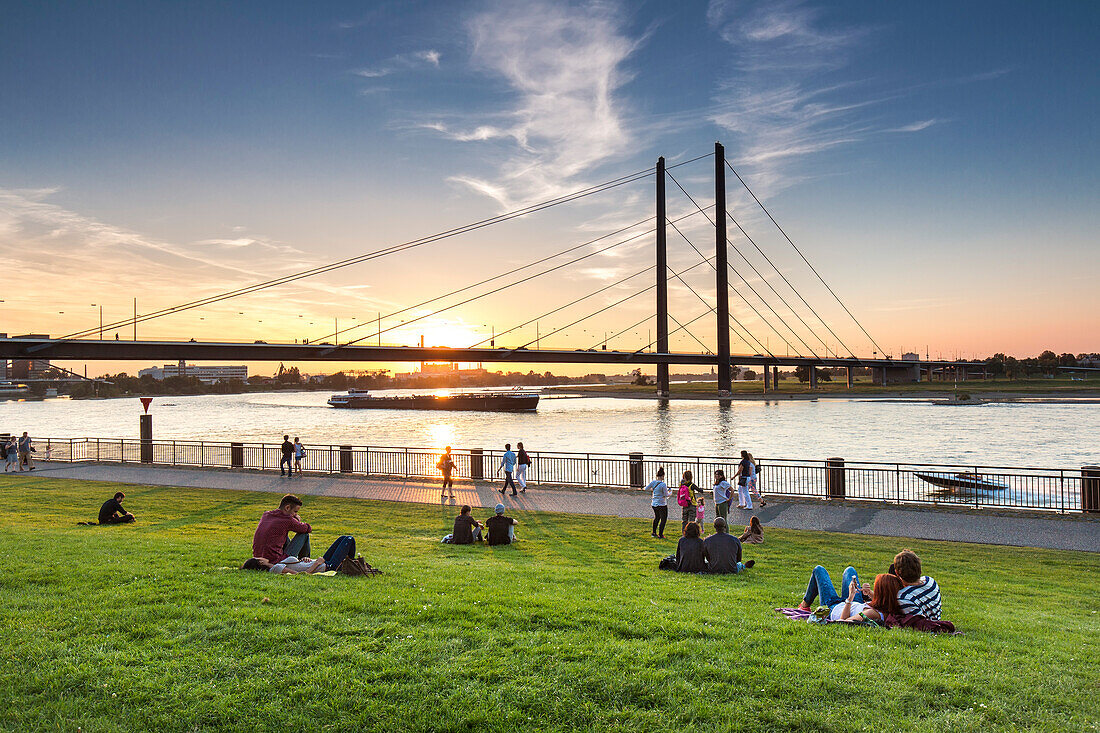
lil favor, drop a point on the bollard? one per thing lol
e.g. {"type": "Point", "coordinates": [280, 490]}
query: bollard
{"type": "Point", "coordinates": [346, 464]}
{"type": "Point", "coordinates": [477, 466]}
{"type": "Point", "coordinates": [236, 455]}
{"type": "Point", "coordinates": [834, 478]}
{"type": "Point", "coordinates": [1090, 489]}
{"type": "Point", "coordinates": [146, 427]}
{"type": "Point", "coordinates": [637, 477]}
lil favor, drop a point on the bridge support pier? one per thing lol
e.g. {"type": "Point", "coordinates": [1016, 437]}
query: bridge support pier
{"type": "Point", "coordinates": [813, 377]}
{"type": "Point", "coordinates": [662, 283]}
{"type": "Point", "coordinates": [775, 378]}
{"type": "Point", "coordinates": [766, 380]}
{"type": "Point", "coordinates": [848, 375]}
{"type": "Point", "coordinates": [721, 269]}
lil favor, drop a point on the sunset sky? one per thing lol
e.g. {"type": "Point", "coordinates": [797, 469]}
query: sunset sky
{"type": "Point", "coordinates": [936, 162]}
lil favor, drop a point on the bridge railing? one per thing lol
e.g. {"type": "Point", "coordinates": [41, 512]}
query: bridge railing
{"type": "Point", "coordinates": [959, 485]}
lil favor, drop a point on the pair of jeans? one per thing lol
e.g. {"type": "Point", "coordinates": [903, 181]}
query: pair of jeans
{"type": "Point", "coordinates": [521, 476]}
{"type": "Point", "coordinates": [298, 546]}
{"type": "Point", "coordinates": [660, 516]}
{"type": "Point", "coordinates": [447, 481]}
{"type": "Point", "coordinates": [286, 462]}
{"type": "Point", "coordinates": [822, 585]}
{"type": "Point", "coordinates": [343, 547]}
{"type": "Point", "coordinates": [508, 482]}
{"type": "Point", "coordinates": [722, 509]}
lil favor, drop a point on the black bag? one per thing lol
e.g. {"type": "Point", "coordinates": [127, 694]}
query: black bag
{"type": "Point", "coordinates": [669, 563]}
{"type": "Point", "coordinates": [3, 450]}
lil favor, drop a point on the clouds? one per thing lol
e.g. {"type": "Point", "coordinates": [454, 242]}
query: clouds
{"type": "Point", "coordinates": [779, 95]}
{"type": "Point", "coordinates": [59, 256]}
{"type": "Point", "coordinates": [562, 67]}
{"type": "Point", "coordinates": [401, 62]}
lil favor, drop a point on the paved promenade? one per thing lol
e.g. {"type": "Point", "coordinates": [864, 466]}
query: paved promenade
{"type": "Point", "coordinates": [984, 527]}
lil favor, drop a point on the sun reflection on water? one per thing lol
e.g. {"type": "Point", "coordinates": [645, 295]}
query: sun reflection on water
{"type": "Point", "coordinates": [441, 434]}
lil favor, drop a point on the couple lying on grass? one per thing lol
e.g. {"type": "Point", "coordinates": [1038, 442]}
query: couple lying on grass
{"type": "Point", "coordinates": [901, 596]}
{"type": "Point", "coordinates": [274, 551]}
{"type": "Point", "coordinates": [467, 530]}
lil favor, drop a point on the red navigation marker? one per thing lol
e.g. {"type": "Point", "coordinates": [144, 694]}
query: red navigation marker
{"type": "Point", "coordinates": [145, 402]}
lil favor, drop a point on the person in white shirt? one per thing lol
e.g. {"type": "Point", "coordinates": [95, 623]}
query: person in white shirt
{"type": "Point", "coordinates": [289, 565]}
{"type": "Point", "coordinates": [722, 493]}
{"type": "Point", "coordinates": [661, 492]}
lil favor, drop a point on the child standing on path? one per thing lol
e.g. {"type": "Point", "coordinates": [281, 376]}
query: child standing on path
{"type": "Point", "coordinates": [688, 499]}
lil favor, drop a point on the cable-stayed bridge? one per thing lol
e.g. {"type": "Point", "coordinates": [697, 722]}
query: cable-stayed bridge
{"type": "Point", "coordinates": [768, 299]}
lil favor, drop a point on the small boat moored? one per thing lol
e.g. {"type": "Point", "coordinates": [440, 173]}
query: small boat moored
{"type": "Point", "coordinates": [961, 482]}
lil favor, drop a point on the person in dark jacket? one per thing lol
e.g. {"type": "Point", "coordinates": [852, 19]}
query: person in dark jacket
{"type": "Point", "coordinates": [288, 458]}
{"type": "Point", "coordinates": [690, 557]}
{"type": "Point", "coordinates": [466, 529]}
{"type": "Point", "coordinates": [112, 512]}
{"type": "Point", "coordinates": [723, 551]}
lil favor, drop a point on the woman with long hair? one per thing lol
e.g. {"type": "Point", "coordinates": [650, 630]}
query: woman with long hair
{"type": "Point", "coordinates": [754, 533]}
{"type": "Point", "coordinates": [754, 475]}
{"type": "Point", "coordinates": [855, 608]}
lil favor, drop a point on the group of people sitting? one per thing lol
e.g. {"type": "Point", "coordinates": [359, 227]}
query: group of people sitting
{"type": "Point", "coordinates": [501, 529]}
{"type": "Point", "coordinates": [275, 551]}
{"type": "Point", "coordinates": [720, 553]}
{"type": "Point", "coordinates": [902, 592]}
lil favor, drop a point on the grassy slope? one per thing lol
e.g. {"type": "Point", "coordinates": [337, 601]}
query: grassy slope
{"type": "Point", "coordinates": [863, 385]}
{"type": "Point", "coordinates": [146, 627]}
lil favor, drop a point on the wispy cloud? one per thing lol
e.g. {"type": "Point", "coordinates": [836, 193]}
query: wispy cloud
{"type": "Point", "coordinates": [778, 97]}
{"type": "Point", "coordinates": [563, 66]}
{"type": "Point", "coordinates": [401, 62]}
{"type": "Point", "coordinates": [56, 253]}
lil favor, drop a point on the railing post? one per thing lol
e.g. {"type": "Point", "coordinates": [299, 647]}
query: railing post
{"type": "Point", "coordinates": [588, 469]}
{"type": "Point", "coordinates": [406, 462]}
{"type": "Point", "coordinates": [1062, 491]}
{"type": "Point", "coordinates": [977, 494]}
{"type": "Point", "coordinates": [897, 484]}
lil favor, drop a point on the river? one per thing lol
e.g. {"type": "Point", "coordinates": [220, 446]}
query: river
{"type": "Point", "coordinates": [1030, 433]}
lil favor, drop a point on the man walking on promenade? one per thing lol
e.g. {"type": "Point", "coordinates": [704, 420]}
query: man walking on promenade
{"type": "Point", "coordinates": [288, 458]}
{"type": "Point", "coordinates": [272, 540]}
{"type": "Point", "coordinates": [446, 464]}
{"type": "Point", "coordinates": [508, 465]}
{"type": "Point", "coordinates": [25, 449]}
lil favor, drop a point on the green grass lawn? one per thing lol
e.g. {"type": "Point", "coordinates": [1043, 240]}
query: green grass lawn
{"type": "Point", "coordinates": [150, 627]}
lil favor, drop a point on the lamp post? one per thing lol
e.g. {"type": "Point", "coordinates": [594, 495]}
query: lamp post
{"type": "Point", "coordinates": [100, 320]}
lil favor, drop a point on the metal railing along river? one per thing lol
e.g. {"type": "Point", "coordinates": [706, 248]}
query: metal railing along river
{"type": "Point", "coordinates": [974, 486]}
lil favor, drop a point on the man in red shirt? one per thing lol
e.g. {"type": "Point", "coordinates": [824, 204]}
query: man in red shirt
{"type": "Point", "coordinates": [272, 541]}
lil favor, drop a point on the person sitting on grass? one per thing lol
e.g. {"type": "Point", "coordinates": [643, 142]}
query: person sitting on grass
{"type": "Point", "coordinates": [690, 552]}
{"type": "Point", "coordinates": [754, 533]}
{"type": "Point", "coordinates": [272, 539]}
{"type": "Point", "coordinates": [112, 512]}
{"type": "Point", "coordinates": [502, 529]}
{"type": "Point", "coordinates": [723, 551]}
{"type": "Point", "coordinates": [290, 565]}
{"type": "Point", "coordinates": [466, 529]}
{"type": "Point", "coordinates": [919, 596]}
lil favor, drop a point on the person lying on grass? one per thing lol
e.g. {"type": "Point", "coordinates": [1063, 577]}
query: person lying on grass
{"type": "Point", "coordinates": [855, 608]}
{"type": "Point", "coordinates": [290, 565]}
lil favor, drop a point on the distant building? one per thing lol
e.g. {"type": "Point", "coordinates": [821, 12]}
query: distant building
{"type": "Point", "coordinates": [207, 374]}
{"type": "Point", "coordinates": [910, 357]}
{"type": "Point", "coordinates": [430, 370]}
{"type": "Point", "coordinates": [28, 368]}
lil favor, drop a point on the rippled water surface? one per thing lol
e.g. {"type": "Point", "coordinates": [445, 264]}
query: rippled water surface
{"type": "Point", "coordinates": [1057, 435]}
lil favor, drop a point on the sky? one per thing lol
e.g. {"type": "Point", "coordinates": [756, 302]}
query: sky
{"type": "Point", "coordinates": [936, 163]}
